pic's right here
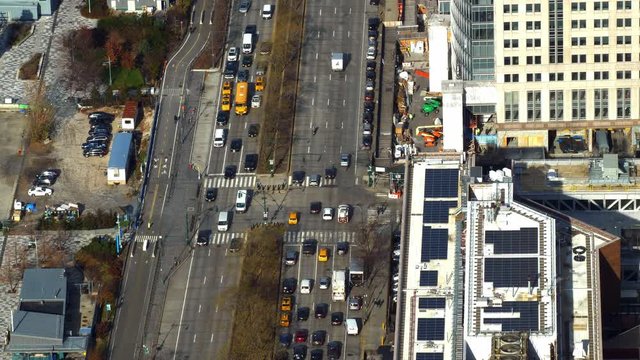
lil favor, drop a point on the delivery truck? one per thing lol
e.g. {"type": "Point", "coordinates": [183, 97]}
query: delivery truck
{"type": "Point", "coordinates": [356, 272]}
{"type": "Point", "coordinates": [339, 285]}
{"type": "Point", "coordinates": [337, 61]}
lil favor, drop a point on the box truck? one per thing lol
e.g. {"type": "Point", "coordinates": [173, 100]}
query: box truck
{"type": "Point", "coordinates": [337, 61]}
{"type": "Point", "coordinates": [339, 285]}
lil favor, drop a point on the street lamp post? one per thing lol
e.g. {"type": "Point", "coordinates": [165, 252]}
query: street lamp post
{"type": "Point", "coordinates": [109, 63]}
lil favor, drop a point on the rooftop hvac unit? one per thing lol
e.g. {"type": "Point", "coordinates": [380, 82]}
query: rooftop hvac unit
{"type": "Point", "coordinates": [509, 346]}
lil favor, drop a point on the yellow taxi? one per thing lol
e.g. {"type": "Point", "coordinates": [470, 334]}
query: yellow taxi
{"type": "Point", "coordinates": [260, 83]}
{"type": "Point", "coordinates": [323, 254]}
{"type": "Point", "coordinates": [285, 319]}
{"type": "Point", "coordinates": [286, 303]}
{"type": "Point", "coordinates": [293, 218]}
{"type": "Point", "coordinates": [226, 88]}
{"type": "Point", "coordinates": [226, 103]}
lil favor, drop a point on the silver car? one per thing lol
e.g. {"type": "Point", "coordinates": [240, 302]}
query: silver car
{"type": "Point", "coordinates": [324, 282]}
{"type": "Point", "coordinates": [244, 6]}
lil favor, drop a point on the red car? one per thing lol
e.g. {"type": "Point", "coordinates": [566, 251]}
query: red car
{"type": "Point", "coordinates": [301, 336]}
{"type": "Point", "coordinates": [368, 96]}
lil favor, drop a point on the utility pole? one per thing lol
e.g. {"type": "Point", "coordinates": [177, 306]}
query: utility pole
{"type": "Point", "coordinates": [186, 227]}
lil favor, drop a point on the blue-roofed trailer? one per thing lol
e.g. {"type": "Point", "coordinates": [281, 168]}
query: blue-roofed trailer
{"type": "Point", "coordinates": [120, 160]}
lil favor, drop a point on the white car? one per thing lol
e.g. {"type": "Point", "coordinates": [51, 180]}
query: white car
{"type": "Point", "coordinates": [327, 214]}
{"type": "Point", "coordinates": [371, 53]}
{"type": "Point", "coordinates": [40, 191]}
{"type": "Point", "coordinates": [232, 55]}
{"type": "Point", "coordinates": [256, 101]}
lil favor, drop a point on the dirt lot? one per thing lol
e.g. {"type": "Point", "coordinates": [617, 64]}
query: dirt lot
{"type": "Point", "coordinates": [82, 180]}
{"type": "Point", "coordinates": [12, 130]}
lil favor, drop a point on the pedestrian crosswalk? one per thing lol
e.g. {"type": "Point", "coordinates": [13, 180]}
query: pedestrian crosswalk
{"type": "Point", "coordinates": [240, 181]}
{"type": "Point", "coordinates": [148, 238]}
{"type": "Point", "coordinates": [219, 238]}
{"type": "Point", "coordinates": [320, 236]}
{"type": "Point", "coordinates": [323, 182]}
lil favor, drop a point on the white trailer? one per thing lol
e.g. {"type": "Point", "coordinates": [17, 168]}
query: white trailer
{"type": "Point", "coordinates": [337, 61]}
{"type": "Point", "coordinates": [352, 327]}
{"type": "Point", "coordinates": [339, 285]}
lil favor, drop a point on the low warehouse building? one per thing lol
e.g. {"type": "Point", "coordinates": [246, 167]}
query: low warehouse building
{"type": "Point", "coordinates": [120, 160]}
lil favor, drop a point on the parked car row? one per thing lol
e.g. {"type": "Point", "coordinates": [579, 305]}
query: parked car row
{"type": "Point", "coordinates": [369, 95]}
{"type": "Point", "coordinates": [43, 182]}
{"type": "Point", "coordinates": [97, 143]}
{"type": "Point", "coordinates": [395, 273]}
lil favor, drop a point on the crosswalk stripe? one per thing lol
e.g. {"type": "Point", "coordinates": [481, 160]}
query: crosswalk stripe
{"type": "Point", "coordinates": [150, 238]}
{"type": "Point", "coordinates": [247, 181]}
{"type": "Point", "coordinates": [321, 236]}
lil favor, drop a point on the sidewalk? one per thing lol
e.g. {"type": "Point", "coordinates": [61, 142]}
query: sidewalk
{"type": "Point", "coordinates": [205, 122]}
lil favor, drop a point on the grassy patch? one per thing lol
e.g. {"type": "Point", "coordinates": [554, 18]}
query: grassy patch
{"type": "Point", "coordinates": [127, 78]}
{"type": "Point", "coordinates": [257, 295]}
{"type": "Point", "coordinates": [18, 31]}
{"type": "Point", "coordinates": [280, 94]}
{"type": "Point", "coordinates": [29, 70]}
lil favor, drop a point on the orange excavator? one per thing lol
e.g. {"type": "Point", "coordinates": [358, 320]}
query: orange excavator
{"type": "Point", "coordinates": [430, 134]}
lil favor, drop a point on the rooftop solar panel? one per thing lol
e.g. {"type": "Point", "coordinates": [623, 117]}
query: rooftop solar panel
{"type": "Point", "coordinates": [430, 329]}
{"type": "Point", "coordinates": [431, 303]}
{"type": "Point", "coordinates": [428, 278]}
{"type": "Point", "coordinates": [527, 319]}
{"type": "Point", "coordinates": [434, 244]}
{"type": "Point", "coordinates": [523, 241]}
{"type": "Point", "coordinates": [429, 356]}
{"type": "Point", "coordinates": [511, 272]}
{"type": "Point", "coordinates": [441, 183]}
{"type": "Point", "coordinates": [437, 212]}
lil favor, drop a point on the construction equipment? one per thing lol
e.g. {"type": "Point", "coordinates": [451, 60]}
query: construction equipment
{"type": "Point", "coordinates": [429, 134]}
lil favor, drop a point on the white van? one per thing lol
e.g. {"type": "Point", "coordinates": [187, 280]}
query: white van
{"type": "Point", "coordinates": [219, 138]}
{"type": "Point", "coordinates": [305, 286]}
{"type": "Point", "coordinates": [241, 201]}
{"type": "Point", "coordinates": [223, 221]}
{"type": "Point", "coordinates": [352, 327]}
{"type": "Point", "coordinates": [267, 11]}
{"type": "Point", "coordinates": [247, 43]}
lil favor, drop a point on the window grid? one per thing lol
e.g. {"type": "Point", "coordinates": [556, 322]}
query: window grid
{"type": "Point", "coordinates": [556, 105]}
{"type": "Point", "coordinates": [601, 104]}
{"type": "Point", "coordinates": [511, 100]}
{"type": "Point", "coordinates": [533, 106]}
{"type": "Point", "coordinates": [578, 104]}
{"type": "Point", "coordinates": [623, 102]}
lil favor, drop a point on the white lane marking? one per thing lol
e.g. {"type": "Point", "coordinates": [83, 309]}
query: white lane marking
{"type": "Point", "coordinates": [345, 77]}
{"type": "Point", "coordinates": [216, 308]}
{"type": "Point", "coordinates": [335, 10]}
{"type": "Point", "coordinates": [313, 101]}
{"type": "Point", "coordinates": [204, 281]}
{"type": "Point", "coordinates": [194, 337]}
{"type": "Point", "coordinates": [308, 149]}
{"type": "Point", "coordinates": [334, 33]}
{"type": "Point", "coordinates": [184, 302]}
{"type": "Point", "coordinates": [349, 11]}
{"type": "Point", "coordinates": [316, 56]}
{"type": "Point", "coordinates": [344, 102]}
{"type": "Point", "coordinates": [318, 34]}
{"type": "Point", "coordinates": [208, 254]}
{"type": "Point", "coordinates": [342, 125]}
{"type": "Point", "coordinates": [329, 76]}
{"type": "Point", "coordinates": [199, 307]}
{"type": "Point", "coordinates": [348, 34]}
{"type": "Point", "coordinates": [326, 124]}
{"type": "Point", "coordinates": [314, 78]}
{"type": "Point", "coordinates": [320, 12]}
{"type": "Point", "coordinates": [310, 125]}
{"type": "Point", "coordinates": [328, 100]}
{"type": "Point", "coordinates": [221, 278]}
{"type": "Point", "coordinates": [211, 340]}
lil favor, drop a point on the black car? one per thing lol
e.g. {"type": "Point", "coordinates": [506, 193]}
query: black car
{"type": "Point", "coordinates": [99, 123]}
{"type": "Point", "coordinates": [203, 237]}
{"type": "Point", "coordinates": [230, 70]}
{"type": "Point", "coordinates": [250, 162]}
{"type": "Point", "coordinates": [297, 178]}
{"type": "Point", "coordinates": [210, 194]}
{"type": "Point", "coordinates": [316, 354]}
{"type": "Point", "coordinates": [236, 145]}
{"type": "Point", "coordinates": [222, 119]}
{"type": "Point", "coordinates": [367, 118]}
{"type": "Point", "coordinates": [95, 152]}
{"type": "Point", "coordinates": [97, 138]}
{"type": "Point", "coordinates": [366, 141]}
{"type": "Point", "coordinates": [371, 65]}
{"type": "Point", "coordinates": [94, 145]}
{"type": "Point", "coordinates": [371, 75]}
{"type": "Point", "coordinates": [247, 60]}
{"type": "Point", "coordinates": [373, 23]}
{"type": "Point", "coordinates": [300, 352]}
{"type": "Point", "coordinates": [303, 313]}
{"type": "Point", "coordinates": [309, 247]}
{"type": "Point", "coordinates": [374, 2]}
{"type": "Point", "coordinates": [42, 182]}
{"type": "Point", "coordinates": [373, 34]}
{"type": "Point", "coordinates": [100, 115]}
{"type": "Point", "coordinates": [230, 171]}
{"type": "Point", "coordinates": [321, 311]}
{"type": "Point", "coordinates": [253, 129]}
{"type": "Point", "coordinates": [318, 337]}
{"type": "Point", "coordinates": [99, 131]}
{"type": "Point", "coordinates": [330, 172]}
{"type": "Point", "coordinates": [315, 207]}
{"type": "Point", "coordinates": [243, 75]}
{"type": "Point", "coordinates": [337, 318]}
{"type": "Point", "coordinates": [342, 248]}
{"type": "Point", "coordinates": [369, 107]}
{"type": "Point", "coordinates": [285, 339]}
{"type": "Point", "coordinates": [250, 29]}
{"type": "Point", "coordinates": [289, 286]}
{"type": "Point", "coordinates": [334, 348]}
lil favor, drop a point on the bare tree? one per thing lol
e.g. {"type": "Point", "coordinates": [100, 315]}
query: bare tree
{"type": "Point", "coordinates": [373, 246]}
{"type": "Point", "coordinates": [13, 265]}
{"type": "Point", "coordinates": [41, 111]}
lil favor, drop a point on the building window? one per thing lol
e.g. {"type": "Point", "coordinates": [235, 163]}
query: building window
{"type": "Point", "coordinates": [601, 104]}
{"type": "Point", "coordinates": [511, 26]}
{"type": "Point", "coordinates": [556, 104]}
{"type": "Point", "coordinates": [575, 76]}
{"type": "Point", "coordinates": [534, 25]}
{"type": "Point", "coordinates": [533, 105]}
{"type": "Point", "coordinates": [578, 58]}
{"type": "Point", "coordinates": [578, 104]}
{"type": "Point", "coordinates": [623, 40]}
{"type": "Point", "coordinates": [623, 5]}
{"type": "Point", "coordinates": [511, 78]}
{"type": "Point", "coordinates": [578, 24]}
{"type": "Point", "coordinates": [533, 43]}
{"type": "Point", "coordinates": [621, 23]}
{"type": "Point", "coordinates": [533, 8]}
{"type": "Point", "coordinates": [511, 43]}
{"type": "Point", "coordinates": [601, 75]}
{"type": "Point", "coordinates": [534, 60]}
{"type": "Point", "coordinates": [601, 23]}
{"type": "Point", "coordinates": [510, 9]}
{"type": "Point", "coordinates": [601, 58]}
{"type": "Point", "coordinates": [601, 40]}
{"type": "Point", "coordinates": [601, 5]}
{"type": "Point", "coordinates": [623, 103]}
{"type": "Point", "coordinates": [578, 41]}
{"type": "Point", "coordinates": [579, 6]}
{"type": "Point", "coordinates": [623, 75]}
{"type": "Point", "coordinates": [556, 76]}
{"type": "Point", "coordinates": [623, 57]}
{"type": "Point", "coordinates": [535, 77]}
{"type": "Point", "coordinates": [511, 100]}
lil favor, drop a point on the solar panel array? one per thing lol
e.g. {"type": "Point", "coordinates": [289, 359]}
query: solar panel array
{"type": "Point", "coordinates": [523, 241]}
{"type": "Point", "coordinates": [441, 183]}
{"type": "Point", "coordinates": [428, 278]}
{"type": "Point", "coordinates": [511, 272]}
{"type": "Point", "coordinates": [431, 303]}
{"type": "Point", "coordinates": [437, 212]}
{"type": "Point", "coordinates": [430, 329]}
{"type": "Point", "coordinates": [429, 356]}
{"type": "Point", "coordinates": [528, 319]}
{"type": "Point", "coordinates": [434, 244]}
